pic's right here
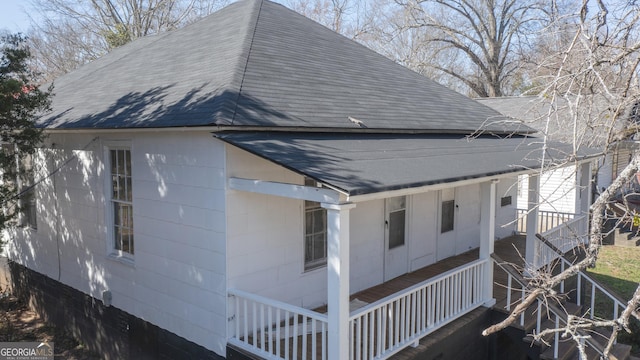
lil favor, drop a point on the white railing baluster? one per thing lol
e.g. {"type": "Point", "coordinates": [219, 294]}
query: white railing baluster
{"type": "Point", "coordinates": [522, 295]}
{"type": "Point", "coordinates": [304, 338]}
{"type": "Point", "coordinates": [579, 290]}
{"type": "Point", "coordinates": [262, 327]}
{"type": "Point", "coordinates": [365, 336]}
{"type": "Point", "coordinates": [294, 352]}
{"type": "Point", "coordinates": [372, 330]}
{"type": "Point", "coordinates": [509, 287]}
{"type": "Point", "coordinates": [562, 282]}
{"type": "Point", "coordinates": [278, 319]}
{"type": "Point", "coordinates": [246, 325]}
{"type": "Point", "coordinates": [324, 340]}
{"type": "Point", "coordinates": [286, 335]}
{"type": "Point", "coordinates": [556, 338]}
{"type": "Point", "coordinates": [538, 317]}
{"type": "Point", "coordinates": [314, 340]}
{"type": "Point", "coordinates": [380, 330]}
{"type": "Point", "coordinates": [270, 329]}
{"type": "Point", "coordinates": [593, 301]}
{"type": "Point", "coordinates": [254, 323]}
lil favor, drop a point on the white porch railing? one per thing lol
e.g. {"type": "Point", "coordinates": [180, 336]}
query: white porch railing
{"type": "Point", "coordinates": [588, 290]}
{"type": "Point", "coordinates": [276, 330]}
{"type": "Point", "coordinates": [565, 237]}
{"type": "Point", "coordinates": [547, 220]}
{"type": "Point", "coordinates": [389, 325]}
{"type": "Point", "coordinates": [544, 310]}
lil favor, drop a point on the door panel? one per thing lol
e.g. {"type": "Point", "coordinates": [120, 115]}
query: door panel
{"type": "Point", "coordinates": [396, 260]}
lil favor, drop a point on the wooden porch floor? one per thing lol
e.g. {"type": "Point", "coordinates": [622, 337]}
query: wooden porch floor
{"type": "Point", "coordinates": [508, 249]}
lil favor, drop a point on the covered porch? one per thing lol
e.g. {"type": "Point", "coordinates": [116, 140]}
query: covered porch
{"type": "Point", "coordinates": [384, 319]}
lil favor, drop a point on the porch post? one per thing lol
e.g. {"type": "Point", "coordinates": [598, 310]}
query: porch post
{"type": "Point", "coordinates": [583, 198]}
{"type": "Point", "coordinates": [532, 219]}
{"type": "Point", "coordinates": [338, 279]}
{"type": "Point", "coordinates": [487, 237]}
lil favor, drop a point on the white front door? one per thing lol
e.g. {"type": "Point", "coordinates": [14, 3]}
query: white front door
{"type": "Point", "coordinates": [446, 234]}
{"type": "Point", "coordinates": [396, 257]}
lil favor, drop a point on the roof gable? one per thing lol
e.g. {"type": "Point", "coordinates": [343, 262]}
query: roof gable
{"type": "Point", "coordinates": [258, 64]}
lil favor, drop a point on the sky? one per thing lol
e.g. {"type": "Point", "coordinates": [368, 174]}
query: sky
{"type": "Point", "coordinates": [12, 15]}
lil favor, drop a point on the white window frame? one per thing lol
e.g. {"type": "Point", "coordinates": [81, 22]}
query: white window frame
{"type": "Point", "coordinates": [112, 250]}
{"type": "Point", "coordinates": [315, 207]}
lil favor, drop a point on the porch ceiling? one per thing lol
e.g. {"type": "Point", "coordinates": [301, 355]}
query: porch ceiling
{"type": "Point", "coordinates": [360, 164]}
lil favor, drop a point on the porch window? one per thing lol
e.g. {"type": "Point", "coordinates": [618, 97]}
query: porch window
{"type": "Point", "coordinates": [121, 200]}
{"type": "Point", "coordinates": [448, 209]}
{"type": "Point", "coordinates": [315, 233]}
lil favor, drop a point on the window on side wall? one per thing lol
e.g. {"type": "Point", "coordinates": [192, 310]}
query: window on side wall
{"type": "Point", "coordinates": [315, 233]}
{"type": "Point", "coordinates": [22, 208]}
{"type": "Point", "coordinates": [120, 201]}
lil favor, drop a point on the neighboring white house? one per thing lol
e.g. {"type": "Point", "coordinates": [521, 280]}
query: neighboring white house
{"type": "Point", "coordinates": [257, 155]}
{"type": "Point", "coordinates": [557, 188]}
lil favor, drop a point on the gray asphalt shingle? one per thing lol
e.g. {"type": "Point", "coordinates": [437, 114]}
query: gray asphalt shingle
{"type": "Point", "coordinates": [257, 63]}
{"type": "Point", "coordinates": [369, 163]}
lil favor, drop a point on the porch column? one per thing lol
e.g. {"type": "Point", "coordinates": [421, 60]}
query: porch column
{"type": "Point", "coordinates": [338, 279]}
{"type": "Point", "coordinates": [487, 237]}
{"type": "Point", "coordinates": [583, 195]}
{"type": "Point", "coordinates": [532, 219]}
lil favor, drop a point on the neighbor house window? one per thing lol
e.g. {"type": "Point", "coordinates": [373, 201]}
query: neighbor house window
{"type": "Point", "coordinates": [448, 215]}
{"type": "Point", "coordinates": [121, 200]}
{"type": "Point", "coordinates": [315, 233]}
{"type": "Point", "coordinates": [20, 179]}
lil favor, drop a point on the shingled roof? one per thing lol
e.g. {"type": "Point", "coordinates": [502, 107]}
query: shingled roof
{"type": "Point", "coordinates": [258, 64]}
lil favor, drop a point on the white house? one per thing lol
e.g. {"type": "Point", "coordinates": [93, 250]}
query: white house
{"type": "Point", "coordinates": [555, 117]}
{"type": "Point", "coordinates": [213, 185]}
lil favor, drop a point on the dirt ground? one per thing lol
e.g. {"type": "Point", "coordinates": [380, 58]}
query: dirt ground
{"type": "Point", "coordinates": [19, 323]}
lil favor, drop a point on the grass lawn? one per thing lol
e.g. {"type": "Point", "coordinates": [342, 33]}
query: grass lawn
{"type": "Point", "coordinates": [618, 268]}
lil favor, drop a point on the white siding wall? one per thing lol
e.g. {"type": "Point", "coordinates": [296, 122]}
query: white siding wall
{"type": "Point", "coordinates": [367, 245]}
{"type": "Point", "coordinates": [265, 237]}
{"type": "Point", "coordinates": [422, 235]}
{"type": "Point", "coordinates": [605, 171]}
{"type": "Point", "coordinates": [557, 190]}
{"type": "Point", "coordinates": [177, 280]}
{"type": "Point", "coordinates": [505, 215]}
{"type": "Point", "coordinates": [467, 226]}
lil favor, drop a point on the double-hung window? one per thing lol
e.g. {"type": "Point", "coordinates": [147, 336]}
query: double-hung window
{"type": "Point", "coordinates": [315, 233]}
{"type": "Point", "coordinates": [121, 203]}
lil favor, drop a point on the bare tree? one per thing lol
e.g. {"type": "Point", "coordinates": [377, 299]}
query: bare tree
{"type": "Point", "coordinates": [355, 19]}
{"type": "Point", "coordinates": [484, 34]}
{"type": "Point", "coordinates": [70, 33]}
{"type": "Point", "coordinates": [599, 62]}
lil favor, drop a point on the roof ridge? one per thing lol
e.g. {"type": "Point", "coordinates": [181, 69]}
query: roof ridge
{"type": "Point", "coordinates": [246, 63]}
